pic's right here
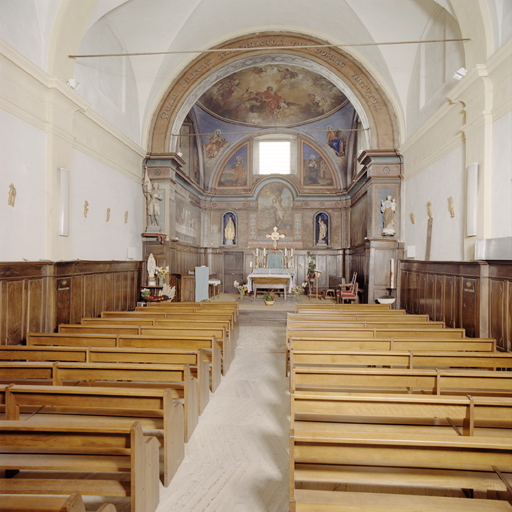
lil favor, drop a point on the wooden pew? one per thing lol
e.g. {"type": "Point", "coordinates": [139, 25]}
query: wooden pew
{"type": "Point", "coordinates": [459, 415]}
{"type": "Point", "coordinates": [198, 306]}
{"type": "Point", "coordinates": [402, 359]}
{"type": "Point", "coordinates": [165, 318]}
{"type": "Point", "coordinates": [386, 380]}
{"type": "Point", "coordinates": [24, 353]}
{"type": "Point", "coordinates": [75, 405]}
{"type": "Point", "coordinates": [333, 460]}
{"type": "Point", "coordinates": [136, 321]}
{"type": "Point", "coordinates": [44, 503]}
{"type": "Point", "coordinates": [335, 316]}
{"type": "Point", "coordinates": [394, 344]}
{"type": "Point", "coordinates": [358, 332]}
{"type": "Point", "coordinates": [196, 359]}
{"type": "Point", "coordinates": [185, 331]}
{"type": "Point", "coordinates": [206, 343]}
{"type": "Point", "coordinates": [343, 307]}
{"type": "Point", "coordinates": [176, 378]}
{"type": "Point", "coordinates": [76, 450]}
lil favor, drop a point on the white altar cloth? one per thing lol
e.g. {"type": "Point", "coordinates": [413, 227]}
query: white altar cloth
{"type": "Point", "coordinates": [253, 286]}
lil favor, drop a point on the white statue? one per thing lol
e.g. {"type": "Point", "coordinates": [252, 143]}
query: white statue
{"type": "Point", "coordinates": [229, 232]}
{"type": "Point", "coordinates": [388, 208]}
{"type": "Point", "coordinates": [153, 197]}
{"type": "Point", "coordinates": [151, 268]}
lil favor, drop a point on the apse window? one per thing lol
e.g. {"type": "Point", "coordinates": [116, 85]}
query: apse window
{"type": "Point", "coordinates": [276, 155]}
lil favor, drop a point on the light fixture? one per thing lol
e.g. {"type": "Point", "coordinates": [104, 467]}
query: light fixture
{"type": "Point", "coordinates": [73, 83]}
{"type": "Point", "coordinates": [460, 74]}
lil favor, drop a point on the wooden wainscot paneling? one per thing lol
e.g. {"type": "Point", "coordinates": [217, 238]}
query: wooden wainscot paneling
{"type": "Point", "coordinates": [97, 286]}
{"type": "Point", "coordinates": [469, 306]}
{"type": "Point", "coordinates": [500, 303]}
{"type": "Point", "coordinates": [37, 297]}
{"type": "Point", "coordinates": [447, 291]}
{"type": "Point", "coordinates": [26, 300]}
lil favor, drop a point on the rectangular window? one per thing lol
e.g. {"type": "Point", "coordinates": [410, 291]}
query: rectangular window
{"type": "Point", "coordinates": [275, 157]}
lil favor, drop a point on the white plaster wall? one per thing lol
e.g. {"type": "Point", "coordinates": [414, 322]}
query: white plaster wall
{"type": "Point", "coordinates": [436, 184]}
{"type": "Point", "coordinates": [501, 200]}
{"type": "Point", "coordinates": [93, 238]}
{"type": "Point", "coordinates": [26, 25]}
{"type": "Point", "coordinates": [108, 84]}
{"type": "Point", "coordinates": [22, 163]}
{"type": "Point", "coordinates": [432, 75]}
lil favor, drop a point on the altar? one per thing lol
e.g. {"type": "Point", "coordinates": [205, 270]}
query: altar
{"type": "Point", "coordinates": [271, 278]}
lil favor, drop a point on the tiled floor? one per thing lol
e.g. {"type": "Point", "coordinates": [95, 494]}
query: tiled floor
{"type": "Point", "coordinates": [237, 459]}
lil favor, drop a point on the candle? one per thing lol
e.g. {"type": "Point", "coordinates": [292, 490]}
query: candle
{"type": "Point", "coordinates": [392, 274]}
{"type": "Point", "coordinates": [285, 252]}
{"type": "Point", "coordinates": [264, 252]}
{"type": "Point", "coordinates": [250, 264]}
{"type": "Point", "coordinates": [291, 252]}
{"type": "Point", "coordinates": [257, 252]}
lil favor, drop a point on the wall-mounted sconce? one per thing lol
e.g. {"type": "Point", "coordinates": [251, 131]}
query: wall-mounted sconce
{"type": "Point", "coordinates": [73, 83]}
{"type": "Point", "coordinates": [63, 202]}
{"type": "Point", "coordinates": [460, 73]}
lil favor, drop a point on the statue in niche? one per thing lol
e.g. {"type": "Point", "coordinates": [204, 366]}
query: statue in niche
{"type": "Point", "coordinates": [229, 231]}
{"type": "Point", "coordinates": [321, 230]}
{"type": "Point", "coordinates": [12, 195]}
{"type": "Point", "coordinates": [388, 208]}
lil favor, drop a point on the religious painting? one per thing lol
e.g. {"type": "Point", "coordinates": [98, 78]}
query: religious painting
{"type": "Point", "coordinates": [275, 203]}
{"type": "Point", "coordinates": [235, 171]}
{"type": "Point", "coordinates": [337, 141]}
{"type": "Point", "coordinates": [316, 172]}
{"type": "Point", "coordinates": [321, 229]}
{"type": "Point", "coordinates": [214, 145]}
{"type": "Point", "coordinates": [187, 221]}
{"type": "Point", "coordinates": [273, 95]}
{"type": "Point", "coordinates": [229, 229]}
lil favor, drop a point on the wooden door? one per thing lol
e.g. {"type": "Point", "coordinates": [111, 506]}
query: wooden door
{"type": "Point", "coordinates": [233, 271]}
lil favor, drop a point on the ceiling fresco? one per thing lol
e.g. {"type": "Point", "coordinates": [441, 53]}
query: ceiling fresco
{"type": "Point", "coordinates": [276, 95]}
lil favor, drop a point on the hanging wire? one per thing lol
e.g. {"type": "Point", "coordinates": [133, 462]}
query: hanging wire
{"type": "Point", "coordinates": [266, 133]}
{"type": "Point", "coordinates": [273, 48]}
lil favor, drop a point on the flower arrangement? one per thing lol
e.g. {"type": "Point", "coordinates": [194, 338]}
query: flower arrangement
{"type": "Point", "coordinates": [297, 290]}
{"type": "Point", "coordinates": [269, 296]}
{"type": "Point", "coordinates": [242, 288]}
{"type": "Point", "coordinates": [144, 292]}
{"type": "Point", "coordinates": [161, 273]}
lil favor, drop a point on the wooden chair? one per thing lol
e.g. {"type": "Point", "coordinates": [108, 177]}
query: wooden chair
{"type": "Point", "coordinates": [350, 294]}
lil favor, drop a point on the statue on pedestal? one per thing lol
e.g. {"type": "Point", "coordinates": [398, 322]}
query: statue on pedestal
{"type": "Point", "coordinates": [151, 270]}
{"type": "Point", "coordinates": [388, 208]}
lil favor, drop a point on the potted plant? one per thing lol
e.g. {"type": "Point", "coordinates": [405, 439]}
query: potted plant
{"type": "Point", "coordinates": [311, 265]}
{"type": "Point", "coordinates": [269, 297]}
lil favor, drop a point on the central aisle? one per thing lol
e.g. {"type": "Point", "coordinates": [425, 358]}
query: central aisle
{"type": "Point", "coordinates": [237, 459]}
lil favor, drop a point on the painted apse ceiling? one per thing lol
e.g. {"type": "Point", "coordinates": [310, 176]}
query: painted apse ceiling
{"type": "Point", "coordinates": [268, 99]}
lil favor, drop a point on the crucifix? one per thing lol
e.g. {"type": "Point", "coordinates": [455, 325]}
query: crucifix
{"type": "Point", "coordinates": [275, 236]}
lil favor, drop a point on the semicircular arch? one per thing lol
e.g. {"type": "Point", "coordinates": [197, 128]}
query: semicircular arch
{"type": "Point", "coordinates": [370, 101]}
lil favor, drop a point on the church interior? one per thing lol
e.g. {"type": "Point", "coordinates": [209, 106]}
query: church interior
{"type": "Point", "coordinates": [345, 162]}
